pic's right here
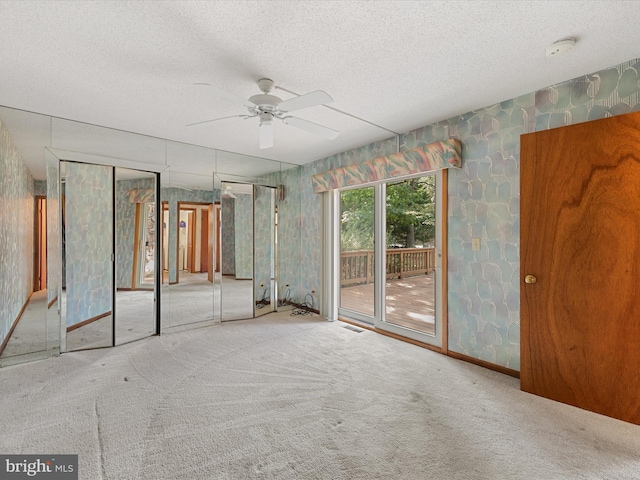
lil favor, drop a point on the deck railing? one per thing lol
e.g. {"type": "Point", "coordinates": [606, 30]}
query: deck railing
{"type": "Point", "coordinates": [356, 267]}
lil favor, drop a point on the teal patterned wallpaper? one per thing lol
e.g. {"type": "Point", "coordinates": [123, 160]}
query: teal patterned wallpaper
{"type": "Point", "coordinates": [228, 240]}
{"type": "Point", "coordinates": [16, 232]}
{"type": "Point", "coordinates": [243, 228]}
{"type": "Point", "coordinates": [484, 201]}
{"type": "Point", "coordinates": [290, 256]}
{"type": "Point", "coordinates": [88, 240]}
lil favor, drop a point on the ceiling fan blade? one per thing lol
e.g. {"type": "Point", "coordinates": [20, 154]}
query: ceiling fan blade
{"type": "Point", "coordinates": [266, 135]}
{"type": "Point", "coordinates": [216, 119]}
{"type": "Point", "coordinates": [312, 99]}
{"type": "Point", "coordinates": [229, 96]}
{"type": "Point", "coordinates": [321, 130]}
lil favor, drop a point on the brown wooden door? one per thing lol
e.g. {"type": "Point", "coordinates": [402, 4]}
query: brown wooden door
{"type": "Point", "coordinates": [580, 238]}
{"type": "Point", "coordinates": [190, 267]}
{"type": "Point", "coordinates": [204, 240]}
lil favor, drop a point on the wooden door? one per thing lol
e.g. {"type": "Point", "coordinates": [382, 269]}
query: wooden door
{"type": "Point", "coordinates": [218, 230]}
{"type": "Point", "coordinates": [190, 267]}
{"type": "Point", "coordinates": [210, 236]}
{"type": "Point", "coordinates": [580, 239]}
{"type": "Point", "coordinates": [204, 240]}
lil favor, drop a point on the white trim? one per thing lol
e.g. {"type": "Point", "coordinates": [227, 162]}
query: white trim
{"type": "Point", "coordinates": [332, 254]}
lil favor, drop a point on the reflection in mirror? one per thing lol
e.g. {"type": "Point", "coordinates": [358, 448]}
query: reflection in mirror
{"type": "Point", "coordinates": [135, 201]}
{"type": "Point", "coordinates": [87, 249]}
{"type": "Point", "coordinates": [290, 263]}
{"type": "Point", "coordinates": [23, 236]}
{"type": "Point", "coordinates": [264, 223]}
{"type": "Point", "coordinates": [54, 336]}
{"type": "Point", "coordinates": [236, 243]}
{"type": "Point", "coordinates": [189, 232]}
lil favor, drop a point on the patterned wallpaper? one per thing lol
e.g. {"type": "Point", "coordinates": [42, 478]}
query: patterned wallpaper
{"type": "Point", "coordinates": [89, 240]}
{"type": "Point", "coordinates": [16, 232]}
{"type": "Point", "coordinates": [484, 201]}
{"type": "Point", "coordinates": [290, 256]}
{"type": "Point", "coordinates": [228, 240]}
{"type": "Point", "coordinates": [243, 228]}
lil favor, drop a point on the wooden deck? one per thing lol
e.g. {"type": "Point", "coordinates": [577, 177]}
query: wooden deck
{"type": "Point", "coordinates": [410, 301]}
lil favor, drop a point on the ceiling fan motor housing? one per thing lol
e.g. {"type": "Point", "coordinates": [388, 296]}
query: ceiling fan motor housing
{"type": "Point", "coordinates": [266, 102]}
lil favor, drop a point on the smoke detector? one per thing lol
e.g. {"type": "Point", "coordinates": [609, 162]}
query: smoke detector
{"type": "Point", "coordinates": [560, 47]}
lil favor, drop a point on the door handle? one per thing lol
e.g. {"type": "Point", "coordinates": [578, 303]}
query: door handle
{"type": "Point", "coordinates": [530, 279]}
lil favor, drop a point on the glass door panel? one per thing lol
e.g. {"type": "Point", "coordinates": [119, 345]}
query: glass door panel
{"type": "Point", "coordinates": [135, 200]}
{"type": "Point", "coordinates": [87, 253]}
{"type": "Point", "coordinates": [410, 254]}
{"type": "Point", "coordinates": [357, 268]}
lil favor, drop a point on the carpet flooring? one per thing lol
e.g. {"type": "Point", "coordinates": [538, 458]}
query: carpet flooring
{"type": "Point", "coordinates": [296, 397]}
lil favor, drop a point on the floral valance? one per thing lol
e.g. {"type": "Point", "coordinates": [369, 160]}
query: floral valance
{"type": "Point", "coordinates": [427, 158]}
{"type": "Point", "coordinates": [142, 195]}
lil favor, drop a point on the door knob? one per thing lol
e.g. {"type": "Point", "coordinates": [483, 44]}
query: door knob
{"type": "Point", "coordinates": [530, 279]}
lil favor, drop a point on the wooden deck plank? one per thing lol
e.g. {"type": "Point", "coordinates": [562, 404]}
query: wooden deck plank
{"type": "Point", "coordinates": [410, 302]}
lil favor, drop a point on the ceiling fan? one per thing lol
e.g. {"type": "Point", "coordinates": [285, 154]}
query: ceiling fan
{"type": "Point", "coordinates": [267, 108]}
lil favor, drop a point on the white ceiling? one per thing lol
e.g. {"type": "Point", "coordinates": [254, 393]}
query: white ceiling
{"type": "Point", "coordinates": [131, 65]}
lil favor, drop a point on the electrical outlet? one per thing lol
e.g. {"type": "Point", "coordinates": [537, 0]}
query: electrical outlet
{"type": "Point", "coordinates": [475, 243]}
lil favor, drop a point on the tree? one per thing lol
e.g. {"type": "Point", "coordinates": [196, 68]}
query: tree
{"type": "Point", "coordinates": [410, 214]}
{"type": "Point", "coordinates": [356, 219]}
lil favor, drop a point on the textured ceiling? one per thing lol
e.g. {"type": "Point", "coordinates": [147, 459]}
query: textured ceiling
{"type": "Point", "coordinates": [131, 65]}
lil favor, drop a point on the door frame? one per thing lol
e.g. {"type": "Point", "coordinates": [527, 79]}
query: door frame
{"type": "Point", "coordinates": [193, 207]}
{"type": "Point", "coordinates": [40, 241]}
{"type": "Point", "coordinates": [437, 341]}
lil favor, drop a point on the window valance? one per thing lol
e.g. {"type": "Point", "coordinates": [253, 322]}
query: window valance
{"type": "Point", "coordinates": [141, 195]}
{"type": "Point", "coordinates": [428, 158]}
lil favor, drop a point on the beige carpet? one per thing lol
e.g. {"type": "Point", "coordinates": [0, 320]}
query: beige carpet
{"type": "Point", "coordinates": [286, 397]}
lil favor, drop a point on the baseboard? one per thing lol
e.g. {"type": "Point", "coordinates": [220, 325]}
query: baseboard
{"type": "Point", "coordinates": [15, 323]}
{"type": "Point", "coordinates": [449, 353]}
{"type": "Point", "coordinates": [53, 300]}
{"type": "Point", "coordinates": [87, 322]}
{"type": "Point", "coordinates": [482, 363]}
{"type": "Point", "coordinates": [299, 305]}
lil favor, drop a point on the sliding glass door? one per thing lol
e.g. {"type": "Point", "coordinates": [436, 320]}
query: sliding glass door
{"type": "Point", "coordinates": [390, 247]}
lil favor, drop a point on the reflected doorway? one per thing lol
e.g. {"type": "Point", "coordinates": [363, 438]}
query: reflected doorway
{"type": "Point", "coordinates": [40, 229]}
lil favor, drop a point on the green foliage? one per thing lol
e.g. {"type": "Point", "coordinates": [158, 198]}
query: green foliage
{"type": "Point", "coordinates": [411, 214]}
{"type": "Point", "coordinates": [410, 207]}
{"type": "Point", "coordinates": [356, 219]}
